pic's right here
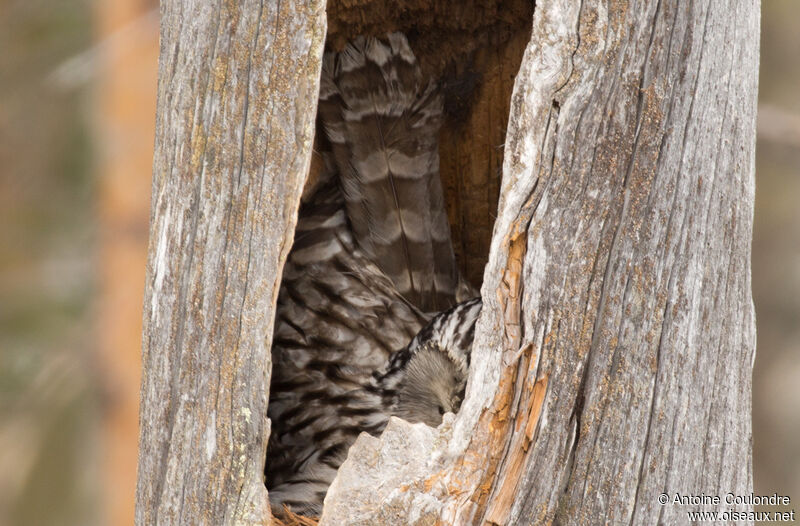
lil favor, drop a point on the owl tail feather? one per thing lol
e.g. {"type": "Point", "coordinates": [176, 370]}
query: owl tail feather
{"type": "Point", "coordinates": [383, 121]}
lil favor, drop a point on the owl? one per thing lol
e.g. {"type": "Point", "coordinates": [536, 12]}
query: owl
{"type": "Point", "coordinates": [370, 320]}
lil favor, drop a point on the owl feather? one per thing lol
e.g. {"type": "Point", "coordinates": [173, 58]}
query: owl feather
{"type": "Point", "coordinates": [357, 337]}
{"type": "Point", "coordinates": [383, 122]}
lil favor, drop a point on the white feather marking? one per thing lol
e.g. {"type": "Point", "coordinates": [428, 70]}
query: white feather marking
{"type": "Point", "coordinates": [376, 51]}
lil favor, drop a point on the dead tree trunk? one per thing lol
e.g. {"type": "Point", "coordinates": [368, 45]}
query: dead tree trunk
{"type": "Point", "coordinates": [613, 356]}
{"type": "Point", "coordinates": [237, 91]}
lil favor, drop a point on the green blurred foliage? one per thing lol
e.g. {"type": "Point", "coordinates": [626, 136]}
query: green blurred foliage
{"type": "Point", "coordinates": [48, 406]}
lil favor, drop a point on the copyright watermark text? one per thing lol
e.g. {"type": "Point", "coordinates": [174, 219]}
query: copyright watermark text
{"type": "Point", "coordinates": [733, 501]}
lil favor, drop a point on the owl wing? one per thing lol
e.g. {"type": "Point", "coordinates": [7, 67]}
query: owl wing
{"type": "Point", "coordinates": [338, 320]}
{"type": "Point", "coordinates": [383, 124]}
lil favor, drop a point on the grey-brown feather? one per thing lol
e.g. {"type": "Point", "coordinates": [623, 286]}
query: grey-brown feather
{"type": "Point", "coordinates": [353, 344]}
{"type": "Point", "coordinates": [339, 318]}
{"type": "Point", "coordinates": [383, 123]}
{"type": "Point", "coordinates": [433, 385]}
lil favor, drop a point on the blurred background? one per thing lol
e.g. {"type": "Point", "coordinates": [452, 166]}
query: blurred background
{"type": "Point", "coordinates": [77, 111]}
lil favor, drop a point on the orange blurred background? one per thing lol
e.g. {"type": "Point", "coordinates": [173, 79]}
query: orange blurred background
{"type": "Point", "coordinates": [77, 111]}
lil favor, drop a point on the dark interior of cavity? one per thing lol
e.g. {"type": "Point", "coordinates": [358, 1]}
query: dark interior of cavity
{"type": "Point", "coordinates": [474, 49]}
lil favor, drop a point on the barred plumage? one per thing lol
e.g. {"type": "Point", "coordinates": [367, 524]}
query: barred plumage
{"type": "Point", "coordinates": [383, 123]}
{"type": "Point", "coordinates": [355, 340]}
{"type": "Point", "coordinates": [427, 378]}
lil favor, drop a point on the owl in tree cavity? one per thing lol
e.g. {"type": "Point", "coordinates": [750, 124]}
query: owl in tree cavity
{"type": "Point", "coordinates": [370, 320]}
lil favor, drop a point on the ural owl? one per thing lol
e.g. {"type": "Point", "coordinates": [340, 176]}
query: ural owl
{"type": "Point", "coordinates": [368, 322]}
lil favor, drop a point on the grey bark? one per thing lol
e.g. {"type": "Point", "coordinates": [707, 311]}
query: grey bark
{"type": "Point", "coordinates": [237, 92]}
{"type": "Point", "coordinates": [613, 357]}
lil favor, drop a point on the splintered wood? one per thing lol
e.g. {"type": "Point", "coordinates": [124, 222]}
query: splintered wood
{"type": "Point", "coordinates": [293, 519]}
{"type": "Point", "coordinates": [507, 427]}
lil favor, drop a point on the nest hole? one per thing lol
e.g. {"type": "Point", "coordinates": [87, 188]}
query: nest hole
{"type": "Point", "coordinates": [472, 49]}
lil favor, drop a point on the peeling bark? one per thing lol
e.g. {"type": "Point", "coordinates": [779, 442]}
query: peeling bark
{"type": "Point", "coordinates": [237, 93]}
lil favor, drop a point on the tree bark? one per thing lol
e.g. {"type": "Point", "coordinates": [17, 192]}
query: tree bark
{"type": "Point", "coordinates": [237, 94]}
{"type": "Point", "coordinates": [612, 360]}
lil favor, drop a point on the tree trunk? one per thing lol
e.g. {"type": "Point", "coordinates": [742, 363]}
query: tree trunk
{"type": "Point", "coordinates": [612, 360]}
{"type": "Point", "coordinates": [237, 94]}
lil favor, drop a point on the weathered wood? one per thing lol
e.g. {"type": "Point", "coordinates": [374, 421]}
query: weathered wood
{"type": "Point", "coordinates": [613, 358]}
{"type": "Point", "coordinates": [237, 92]}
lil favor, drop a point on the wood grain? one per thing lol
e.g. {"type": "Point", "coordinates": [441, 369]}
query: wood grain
{"type": "Point", "coordinates": [628, 173]}
{"type": "Point", "coordinates": [613, 357]}
{"type": "Point", "coordinates": [237, 96]}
